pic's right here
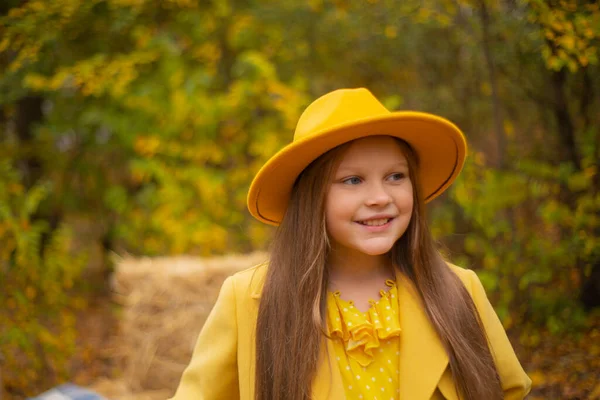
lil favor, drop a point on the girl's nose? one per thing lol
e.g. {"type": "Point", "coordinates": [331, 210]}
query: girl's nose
{"type": "Point", "coordinates": [377, 195]}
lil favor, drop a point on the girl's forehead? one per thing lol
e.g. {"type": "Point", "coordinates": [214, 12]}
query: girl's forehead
{"type": "Point", "coordinates": [374, 149]}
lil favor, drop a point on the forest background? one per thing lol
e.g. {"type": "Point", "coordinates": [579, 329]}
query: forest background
{"type": "Point", "coordinates": [135, 127]}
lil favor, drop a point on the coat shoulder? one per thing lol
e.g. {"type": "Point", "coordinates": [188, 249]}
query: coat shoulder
{"type": "Point", "coordinates": [465, 275]}
{"type": "Point", "coordinates": [249, 282]}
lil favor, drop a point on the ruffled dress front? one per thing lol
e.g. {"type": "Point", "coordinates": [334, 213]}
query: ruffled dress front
{"type": "Point", "coordinates": [367, 344]}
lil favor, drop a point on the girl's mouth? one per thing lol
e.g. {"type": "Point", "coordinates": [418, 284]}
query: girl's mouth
{"type": "Point", "coordinates": [376, 222]}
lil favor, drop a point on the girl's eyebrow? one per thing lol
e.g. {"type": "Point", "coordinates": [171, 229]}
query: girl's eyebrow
{"type": "Point", "coordinates": [352, 168]}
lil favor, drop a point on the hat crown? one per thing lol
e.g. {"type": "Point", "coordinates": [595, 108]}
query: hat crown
{"type": "Point", "coordinates": [338, 108]}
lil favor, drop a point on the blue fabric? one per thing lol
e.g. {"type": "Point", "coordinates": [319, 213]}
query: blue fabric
{"type": "Point", "coordinates": [68, 391]}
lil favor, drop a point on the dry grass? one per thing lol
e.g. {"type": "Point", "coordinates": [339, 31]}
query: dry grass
{"type": "Point", "coordinates": [165, 303]}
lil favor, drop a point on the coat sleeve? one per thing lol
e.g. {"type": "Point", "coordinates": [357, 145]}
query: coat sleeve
{"type": "Point", "coordinates": [515, 382]}
{"type": "Point", "coordinates": [212, 373]}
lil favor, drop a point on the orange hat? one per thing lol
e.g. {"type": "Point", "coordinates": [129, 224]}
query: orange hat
{"type": "Point", "coordinates": [348, 114]}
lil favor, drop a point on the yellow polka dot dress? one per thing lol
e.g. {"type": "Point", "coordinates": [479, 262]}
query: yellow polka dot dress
{"type": "Point", "coordinates": [367, 344]}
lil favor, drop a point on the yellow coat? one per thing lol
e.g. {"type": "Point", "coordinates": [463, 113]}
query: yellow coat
{"type": "Point", "coordinates": [223, 363]}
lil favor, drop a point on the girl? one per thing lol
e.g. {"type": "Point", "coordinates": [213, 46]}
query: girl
{"type": "Point", "coordinates": [355, 301]}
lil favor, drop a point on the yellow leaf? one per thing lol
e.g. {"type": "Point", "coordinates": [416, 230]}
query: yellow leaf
{"type": "Point", "coordinates": [572, 65]}
{"type": "Point", "coordinates": [595, 395]}
{"type": "Point", "coordinates": [537, 377]}
{"type": "Point", "coordinates": [568, 42]}
{"type": "Point", "coordinates": [423, 14]}
{"type": "Point", "coordinates": [509, 128]}
{"type": "Point", "coordinates": [557, 26]}
{"type": "Point", "coordinates": [554, 63]}
{"type": "Point", "coordinates": [590, 172]}
{"type": "Point", "coordinates": [4, 44]}
{"type": "Point", "coordinates": [390, 32]}
{"type": "Point", "coordinates": [562, 54]}
{"type": "Point", "coordinates": [15, 188]}
{"type": "Point", "coordinates": [486, 89]}
{"type": "Point", "coordinates": [30, 292]}
{"type": "Point", "coordinates": [315, 5]}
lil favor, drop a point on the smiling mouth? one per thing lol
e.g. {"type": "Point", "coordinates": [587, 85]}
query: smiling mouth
{"type": "Point", "coordinates": [375, 222]}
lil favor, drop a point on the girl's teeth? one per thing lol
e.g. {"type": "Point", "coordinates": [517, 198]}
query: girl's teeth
{"type": "Point", "coordinates": [376, 222]}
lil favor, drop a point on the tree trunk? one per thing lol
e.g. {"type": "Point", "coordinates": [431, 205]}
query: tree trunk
{"type": "Point", "coordinates": [565, 126]}
{"type": "Point", "coordinates": [496, 104]}
{"type": "Point", "coordinates": [29, 113]}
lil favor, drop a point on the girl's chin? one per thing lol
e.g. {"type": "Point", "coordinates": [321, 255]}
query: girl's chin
{"type": "Point", "coordinates": [375, 250]}
{"type": "Point", "coordinates": [372, 247]}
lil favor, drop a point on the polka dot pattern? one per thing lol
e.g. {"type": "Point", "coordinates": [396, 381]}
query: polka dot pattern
{"type": "Point", "coordinates": [366, 344]}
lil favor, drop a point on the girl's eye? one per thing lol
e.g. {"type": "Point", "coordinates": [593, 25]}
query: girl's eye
{"type": "Point", "coordinates": [353, 180]}
{"type": "Point", "coordinates": [397, 176]}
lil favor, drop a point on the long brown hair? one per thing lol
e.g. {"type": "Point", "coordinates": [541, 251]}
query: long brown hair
{"type": "Point", "coordinates": [291, 316]}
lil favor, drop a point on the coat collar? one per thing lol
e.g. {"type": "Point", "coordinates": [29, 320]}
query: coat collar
{"type": "Point", "coordinates": [258, 280]}
{"type": "Point", "coordinates": [423, 358]}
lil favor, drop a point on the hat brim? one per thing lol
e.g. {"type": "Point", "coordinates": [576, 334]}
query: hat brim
{"type": "Point", "coordinates": [440, 147]}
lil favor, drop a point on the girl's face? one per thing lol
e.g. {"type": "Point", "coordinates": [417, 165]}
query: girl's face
{"type": "Point", "coordinates": [370, 200]}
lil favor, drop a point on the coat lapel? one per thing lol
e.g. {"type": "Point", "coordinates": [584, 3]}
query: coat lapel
{"type": "Point", "coordinates": [423, 359]}
{"type": "Point", "coordinates": [328, 383]}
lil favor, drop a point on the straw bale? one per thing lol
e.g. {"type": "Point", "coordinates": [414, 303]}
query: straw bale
{"type": "Point", "coordinates": [165, 302]}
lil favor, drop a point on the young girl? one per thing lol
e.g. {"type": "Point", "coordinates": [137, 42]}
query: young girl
{"type": "Point", "coordinates": [355, 301]}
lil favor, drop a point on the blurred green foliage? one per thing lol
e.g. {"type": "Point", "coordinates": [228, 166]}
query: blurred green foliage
{"type": "Point", "coordinates": [149, 119]}
{"type": "Point", "coordinates": [38, 326]}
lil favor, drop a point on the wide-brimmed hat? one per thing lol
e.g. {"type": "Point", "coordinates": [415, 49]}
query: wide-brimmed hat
{"type": "Point", "coordinates": [348, 114]}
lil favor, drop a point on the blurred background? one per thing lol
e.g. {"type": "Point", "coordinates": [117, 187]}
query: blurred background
{"type": "Point", "coordinates": [130, 131]}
